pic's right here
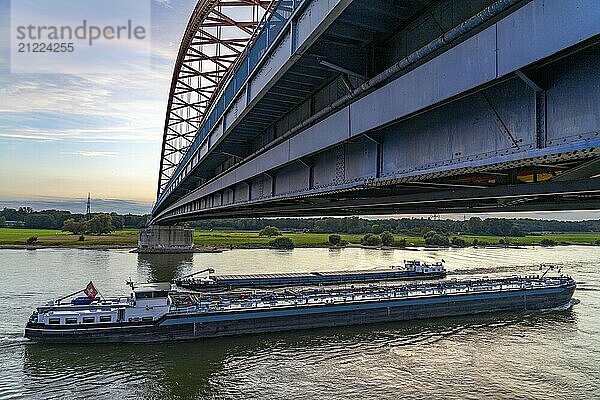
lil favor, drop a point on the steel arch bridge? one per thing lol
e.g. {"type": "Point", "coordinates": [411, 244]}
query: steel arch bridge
{"type": "Point", "coordinates": [341, 107]}
{"type": "Point", "coordinates": [217, 34]}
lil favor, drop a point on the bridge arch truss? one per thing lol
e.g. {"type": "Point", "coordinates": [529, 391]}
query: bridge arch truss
{"type": "Point", "coordinates": [217, 35]}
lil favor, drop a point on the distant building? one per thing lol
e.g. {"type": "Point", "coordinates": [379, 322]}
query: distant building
{"type": "Point", "coordinates": [14, 224]}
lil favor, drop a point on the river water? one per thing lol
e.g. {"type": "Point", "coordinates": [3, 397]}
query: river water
{"type": "Point", "coordinates": [543, 355]}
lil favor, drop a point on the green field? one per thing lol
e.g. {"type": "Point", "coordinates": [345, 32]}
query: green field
{"type": "Point", "coordinates": [248, 239]}
{"type": "Point", "coordinates": [251, 239]}
{"type": "Point", "coordinates": [49, 237]}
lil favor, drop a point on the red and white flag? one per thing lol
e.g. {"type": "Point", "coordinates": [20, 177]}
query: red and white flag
{"type": "Point", "coordinates": [90, 291]}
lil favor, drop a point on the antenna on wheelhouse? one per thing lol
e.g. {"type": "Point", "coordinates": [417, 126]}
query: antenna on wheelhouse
{"type": "Point", "coordinates": [551, 267]}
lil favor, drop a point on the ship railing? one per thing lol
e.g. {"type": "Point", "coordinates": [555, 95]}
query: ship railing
{"type": "Point", "coordinates": [373, 293]}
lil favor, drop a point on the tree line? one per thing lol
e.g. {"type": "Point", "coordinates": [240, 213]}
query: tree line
{"type": "Point", "coordinates": [26, 217]}
{"type": "Point", "coordinates": [406, 226]}
{"type": "Point", "coordinates": [55, 219]}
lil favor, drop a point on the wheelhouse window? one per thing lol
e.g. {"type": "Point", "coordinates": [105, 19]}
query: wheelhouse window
{"type": "Point", "coordinates": [105, 318]}
{"type": "Point", "coordinates": [88, 320]}
{"type": "Point", "coordinates": [150, 295]}
{"type": "Point", "coordinates": [54, 321]}
{"type": "Point", "coordinates": [70, 321]}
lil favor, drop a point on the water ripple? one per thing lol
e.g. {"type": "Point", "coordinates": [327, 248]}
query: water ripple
{"type": "Point", "coordinates": [537, 355]}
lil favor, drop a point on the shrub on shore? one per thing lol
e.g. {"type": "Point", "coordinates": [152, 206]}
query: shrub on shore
{"type": "Point", "coordinates": [547, 242]}
{"type": "Point", "coordinates": [282, 243]}
{"type": "Point", "coordinates": [371, 240]}
{"type": "Point", "coordinates": [269, 231]}
{"type": "Point", "coordinates": [76, 227]}
{"type": "Point", "coordinates": [458, 242]}
{"type": "Point", "coordinates": [32, 240]}
{"type": "Point", "coordinates": [100, 224]}
{"type": "Point", "coordinates": [335, 240]}
{"type": "Point", "coordinates": [432, 238]}
{"type": "Point", "coordinates": [400, 242]}
{"type": "Point", "coordinates": [387, 239]}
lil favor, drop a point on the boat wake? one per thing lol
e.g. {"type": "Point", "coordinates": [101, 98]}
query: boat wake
{"type": "Point", "coordinates": [490, 270]}
{"type": "Point", "coordinates": [12, 341]}
{"type": "Point", "coordinates": [564, 307]}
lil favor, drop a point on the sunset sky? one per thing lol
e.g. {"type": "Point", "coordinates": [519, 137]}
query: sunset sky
{"type": "Point", "coordinates": [62, 136]}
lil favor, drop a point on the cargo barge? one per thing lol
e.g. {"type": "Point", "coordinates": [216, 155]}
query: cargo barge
{"type": "Point", "coordinates": [164, 312]}
{"type": "Point", "coordinates": [412, 269]}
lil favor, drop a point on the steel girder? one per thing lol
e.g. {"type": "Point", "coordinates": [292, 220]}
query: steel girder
{"type": "Point", "coordinates": [214, 42]}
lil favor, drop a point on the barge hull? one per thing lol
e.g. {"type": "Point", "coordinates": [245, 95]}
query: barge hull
{"type": "Point", "coordinates": [215, 324]}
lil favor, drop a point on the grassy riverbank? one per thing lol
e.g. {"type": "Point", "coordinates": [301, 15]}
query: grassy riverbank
{"type": "Point", "coordinates": [250, 239]}
{"type": "Point", "coordinates": [56, 238]}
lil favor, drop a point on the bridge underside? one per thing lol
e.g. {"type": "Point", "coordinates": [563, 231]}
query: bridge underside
{"type": "Point", "coordinates": [424, 198]}
{"type": "Point", "coordinates": [506, 118]}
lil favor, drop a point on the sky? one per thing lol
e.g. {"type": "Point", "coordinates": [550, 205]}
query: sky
{"type": "Point", "coordinates": [62, 135]}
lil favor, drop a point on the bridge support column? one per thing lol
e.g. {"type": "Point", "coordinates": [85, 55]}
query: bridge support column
{"type": "Point", "coordinates": [165, 239]}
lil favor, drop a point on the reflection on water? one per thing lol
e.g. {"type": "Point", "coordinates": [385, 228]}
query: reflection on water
{"type": "Point", "coordinates": [164, 267]}
{"type": "Point", "coordinates": [545, 355]}
{"type": "Point", "coordinates": [193, 369]}
{"type": "Point", "coordinates": [226, 367]}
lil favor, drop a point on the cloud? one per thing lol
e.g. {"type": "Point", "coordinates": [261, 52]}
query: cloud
{"type": "Point", "coordinates": [164, 3]}
{"type": "Point", "coordinates": [98, 108]}
{"type": "Point", "coordinates": [100, 135]}
{"type": "Point", "coordinates": [89, 153]}
{"type": "Point", "coordinates": [109, 107]}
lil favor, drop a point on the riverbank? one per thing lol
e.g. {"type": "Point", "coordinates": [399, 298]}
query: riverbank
{"type": "Point", "coordinates": [127, 239]}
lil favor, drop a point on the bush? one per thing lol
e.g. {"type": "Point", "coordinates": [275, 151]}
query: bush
{"type": "Point", "coordinates": [547, 242]}
{"type": "Point", "coordinates": [504, 242]}
{"type": "Point", "coordinates": [335, 240]}
{"type": "Point", "coordinates": [76, 227]}
{"type": "Point", "coordinates": [475, 242]}
{"type": "Point", "coordinates": [100, 224]}
{"type": "Point", "coordinates": [371, 240]}
{"type": "Point", "coordinates": [436, 239]}
{"type": "Point", "coordinates": [32, 240]}
{"type": "Point", "coordinates": [387, 238]}
{"type": "Point", "coordinates": [458, 242]}
{"type": "Point", "coordinates": [270, 231]}
{"type": "Point", "coordinates": [81, 238]}
{"type": "Point", "coordinates": [429, 234]}
{"type": "Point", "coordinates": [282, 243]}
{"type": "Point", "coordinates": [400, 242]}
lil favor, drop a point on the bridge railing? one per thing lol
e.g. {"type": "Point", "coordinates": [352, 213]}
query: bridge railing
{"type": "Point", "coordinates": [266, 35]}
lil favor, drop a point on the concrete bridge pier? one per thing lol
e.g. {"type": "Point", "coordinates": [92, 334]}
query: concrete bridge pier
{"type": "Point", "coordinates": [165, 239]}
